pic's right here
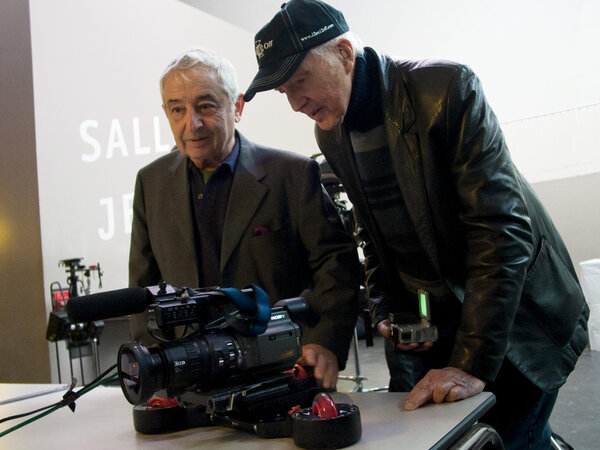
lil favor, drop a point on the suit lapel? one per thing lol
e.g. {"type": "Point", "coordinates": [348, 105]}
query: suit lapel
{"type": "Point", "coordinates": [244, 199]}
{"type": "Point", "coordinates": [178, 212]}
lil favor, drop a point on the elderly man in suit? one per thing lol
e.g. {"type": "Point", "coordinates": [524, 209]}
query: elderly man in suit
{"type": "Point", "coordinates": [220, 210]}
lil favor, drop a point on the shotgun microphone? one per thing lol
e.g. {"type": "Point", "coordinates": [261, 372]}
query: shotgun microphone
{"type": "Point", "coordinates": [105, 305]}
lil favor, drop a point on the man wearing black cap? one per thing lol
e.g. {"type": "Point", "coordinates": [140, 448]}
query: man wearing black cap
{"type": "Point", "coordinates": [443, 212]}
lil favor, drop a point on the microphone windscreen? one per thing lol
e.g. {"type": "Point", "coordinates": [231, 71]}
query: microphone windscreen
{"type": "Point", "coordinates": [105, 305]}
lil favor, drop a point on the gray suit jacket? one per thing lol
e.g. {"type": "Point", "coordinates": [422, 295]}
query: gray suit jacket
{"type": "Point", "coordinates": [305, 246]}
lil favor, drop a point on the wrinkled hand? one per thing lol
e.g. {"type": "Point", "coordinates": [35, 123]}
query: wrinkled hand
{"type": "Point", "coordinates": [325, 364]}
{"type": "Point", "coordinates": [385, 330]}
{"type": "Point", "coordinates": [443, 385]}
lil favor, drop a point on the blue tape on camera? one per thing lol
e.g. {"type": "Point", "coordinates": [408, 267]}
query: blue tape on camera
{"type": "Point", "coordinates": [259, 307]}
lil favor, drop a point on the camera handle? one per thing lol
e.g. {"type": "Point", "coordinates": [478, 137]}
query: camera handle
{"type": "Point", "coordinates": [259, 309]}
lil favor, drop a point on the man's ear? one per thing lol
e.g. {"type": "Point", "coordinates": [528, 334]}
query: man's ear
{"type": "Point", "coordinates": [239, 107]}
{"type": "Point", "coordinates": [346, 52]}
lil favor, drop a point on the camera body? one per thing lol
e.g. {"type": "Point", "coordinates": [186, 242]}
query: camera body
{"type": "Point", "coordinates": [244, 358]}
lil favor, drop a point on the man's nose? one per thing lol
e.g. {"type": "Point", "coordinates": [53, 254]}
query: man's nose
{"type": "Point", "coordinates": [194, 120]}
{"type": "Point", "coordinates": [295, 101]}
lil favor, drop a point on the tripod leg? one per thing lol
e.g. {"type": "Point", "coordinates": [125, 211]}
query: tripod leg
{"type": "Point", "coordinates": [71, 362]}
{"type": "Point", "coordinates": [96, 355]}
{"type": "Point", "coordinates": [57, 362]}
{"type": "Point", "coordinates": [81, 366]}
{"type": "Point", "coordinates": [359, 379]}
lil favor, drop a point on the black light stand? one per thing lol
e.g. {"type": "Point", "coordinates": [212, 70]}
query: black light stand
{"type": "Point", "coordinates": [76, 335]}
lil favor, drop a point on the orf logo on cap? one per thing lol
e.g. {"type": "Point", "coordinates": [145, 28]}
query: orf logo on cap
{"type": "Point", "coordinates": [260, 48]}
{"type": "Point", "coordinates": [282, 44]}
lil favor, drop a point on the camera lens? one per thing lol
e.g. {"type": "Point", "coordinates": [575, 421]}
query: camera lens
{"type": "Point", "coordinates": [175, 366]}
{"type": "Point", "coordinates": [139, 372]}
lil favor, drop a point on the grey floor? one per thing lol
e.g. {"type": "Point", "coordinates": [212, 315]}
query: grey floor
{"type": "Point", "coordinates": [575, 417]}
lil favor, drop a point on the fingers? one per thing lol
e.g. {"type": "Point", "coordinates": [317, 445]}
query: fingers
{"type": "Point", "coordinates": [407, 347]}
{"type": "Point", "coordinates": [331, 373]}
{"type": "Point", "coordinates": [419, 395]}
{"type": "Point", "coordinates": [440, 391]}
{"type": "Point", "coordinates": [415, 346]}
{"type": "Point", "coordinates": [424, 346]}
{"type": "Point", "coordinates": [471, 386]}
{"type": "Point", "coordinates": [456, 393]}
{"type": "Point", "coordinates": [383, 328]}
{"type": "Point", "coordinates": [325, 364]}
{"type": "Point", "coordinates": [443, 385]}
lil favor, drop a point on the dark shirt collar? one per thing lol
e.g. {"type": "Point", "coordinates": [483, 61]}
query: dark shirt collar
{"type": "Point", "coordinates": [230, 161]}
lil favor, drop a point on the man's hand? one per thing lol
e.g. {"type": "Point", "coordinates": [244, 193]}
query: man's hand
{"type": "Point", "coordinates": [324, 361]}
{"type": "Point", "coordinates": [385, 330]}
{"type": "Point", "coordinates": [443, 385]}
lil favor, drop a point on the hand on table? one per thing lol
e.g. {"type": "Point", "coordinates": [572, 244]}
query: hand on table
{"type": "Point", "coordinates": [443, 385]}
{"type": "Point", "coordinates": [325, 364]}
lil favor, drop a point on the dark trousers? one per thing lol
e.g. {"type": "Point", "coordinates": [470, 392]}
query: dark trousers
{"type": "Point", "coordinates": [522, 410]}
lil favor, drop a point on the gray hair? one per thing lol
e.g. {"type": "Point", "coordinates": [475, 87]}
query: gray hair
{"type": "Point", "coordinates": [326, 51]}
{"type": "Point", "coordinates": [202, 57]}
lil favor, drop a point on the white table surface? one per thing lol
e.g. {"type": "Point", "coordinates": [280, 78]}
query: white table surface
{"type": "Point", "coordinates": [103, 420]}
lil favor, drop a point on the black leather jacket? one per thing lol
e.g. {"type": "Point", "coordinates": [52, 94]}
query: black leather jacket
{"type": "Point", "coordinates": [481, 225]}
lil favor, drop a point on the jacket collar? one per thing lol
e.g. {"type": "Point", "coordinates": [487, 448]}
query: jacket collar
{"type": "Point", "coordinates": [247, 192]}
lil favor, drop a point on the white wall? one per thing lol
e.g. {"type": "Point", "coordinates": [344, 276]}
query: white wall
{"type": "Point", "coordinates": [98, 118]}
{"type": "Point", "coordinates": [536, 58]}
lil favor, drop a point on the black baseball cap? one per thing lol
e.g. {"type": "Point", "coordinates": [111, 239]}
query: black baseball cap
{"type": "Point", "coordinates": [282, 44]}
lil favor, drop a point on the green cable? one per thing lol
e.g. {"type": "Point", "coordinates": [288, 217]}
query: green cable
{"type": "Point", "coordinates": [84, 390]}
{"type": "Point", "coordinates": [28, 421]}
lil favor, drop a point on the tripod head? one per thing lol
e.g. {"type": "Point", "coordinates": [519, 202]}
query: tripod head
{"type": "Point", "coordinates": [74, 266]}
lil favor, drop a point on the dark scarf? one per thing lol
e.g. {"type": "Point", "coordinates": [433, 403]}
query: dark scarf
{"type": "Point", "coordinates": [364, 111]}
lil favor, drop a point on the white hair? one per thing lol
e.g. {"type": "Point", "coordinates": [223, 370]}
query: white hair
{"type": "Point", "coordinates": [202, 57]}
{"type": "Point", "coordinates": [327, 51]}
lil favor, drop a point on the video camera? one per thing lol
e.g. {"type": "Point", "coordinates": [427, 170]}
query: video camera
{"type": "Point", "coordinates": [223, 364]}
{"type": "Point", "coordinates": [238, 369]}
